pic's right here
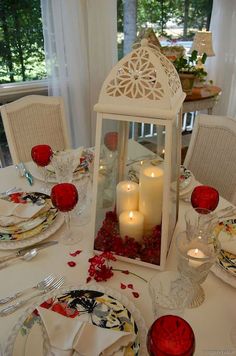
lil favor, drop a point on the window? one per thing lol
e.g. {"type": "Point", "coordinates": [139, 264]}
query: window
{"type": "Point", "coordinates": [21, 41]}
{"type": "Point", "coordinates": [171, 20]}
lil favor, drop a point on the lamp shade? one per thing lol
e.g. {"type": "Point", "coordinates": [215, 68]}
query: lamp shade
{"type": "Point", "coordinates": [202, 43]}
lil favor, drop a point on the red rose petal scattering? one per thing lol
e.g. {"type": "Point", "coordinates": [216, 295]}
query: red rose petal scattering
{"type": "Point", "coordinates": [122, 286]}
{"type": "Point", "coordinates": [99, 268]}
{"type": "Point", "coordinates": [71, 263]}
{"type": "Point", "coordinates": [74, 254]}
{"type": "Point", "coordinates": [135, 294]}
{"type": "Point", "coordinates": [130, 286]}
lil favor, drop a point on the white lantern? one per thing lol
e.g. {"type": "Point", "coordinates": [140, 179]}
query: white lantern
{"type": "Point", "coordinates": [137, 158]}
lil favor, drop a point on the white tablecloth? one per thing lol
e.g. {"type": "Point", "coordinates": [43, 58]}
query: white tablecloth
{"type": "Point", "coordinates": [214, 322]}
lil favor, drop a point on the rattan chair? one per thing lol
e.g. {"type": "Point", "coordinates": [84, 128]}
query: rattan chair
{"type": "Point", "coordinates": [212, 153]}
{"type": "Point", "coordinates": [32, 120]}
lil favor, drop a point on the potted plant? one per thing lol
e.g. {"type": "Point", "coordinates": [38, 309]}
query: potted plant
{"type": "Point", "coordinates": [191, 69]}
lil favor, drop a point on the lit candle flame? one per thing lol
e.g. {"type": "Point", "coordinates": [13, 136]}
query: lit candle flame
{"type": "Point", "coordinates": [196, 251]}
{"type": "Point", "coordinates": [131, 215]}
{"type": "Point", "coordinates": [152, 174]}
{"type": "Point", "coordinates": [101, 167]}
{"type": "Point", "coordinates": [128, 187]}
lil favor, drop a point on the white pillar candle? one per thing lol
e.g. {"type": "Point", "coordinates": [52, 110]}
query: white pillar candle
{"type": "Point", "coordinates": [127, 196]}
{"type": "Point", "coordinates": [151, 196]}
{"type": "Point", "coordinates": [131, 224]}
{"type": "Point", "coordinates": [196, 253]}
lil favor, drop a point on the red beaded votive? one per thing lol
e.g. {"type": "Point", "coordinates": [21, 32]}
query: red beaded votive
{"type": "Point", "coordinates": [170, 335]}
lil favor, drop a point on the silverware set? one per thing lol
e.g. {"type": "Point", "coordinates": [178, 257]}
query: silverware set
{"type": "Point", "coordinates": [48, 284]}
{"type": "Point", "coordinates": [23, 251]}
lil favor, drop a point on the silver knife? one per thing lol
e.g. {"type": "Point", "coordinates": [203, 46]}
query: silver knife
{"type": "Point", "coordinates": [22, 251]}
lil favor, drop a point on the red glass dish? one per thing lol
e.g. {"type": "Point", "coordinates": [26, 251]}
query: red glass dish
{"type": "Point", "coordinates": [204, 197]}
{"type": "Point", "coordinates": [41, 155]}
{"type": "Point", "coordinates": [64, 196]}
{"type": "Point", "coordinates": [170, 335]}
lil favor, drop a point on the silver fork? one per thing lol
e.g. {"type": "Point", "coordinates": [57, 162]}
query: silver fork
{"type": "Point", "coordinates": [13, 307]}
{"type": "Point", "coordinates": [40, 286]}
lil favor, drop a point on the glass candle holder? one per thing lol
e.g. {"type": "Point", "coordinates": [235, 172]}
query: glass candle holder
{"type": "Point", "coordinates": [195, 259]}
{"type": "Point", "coordinates": [170, 335]}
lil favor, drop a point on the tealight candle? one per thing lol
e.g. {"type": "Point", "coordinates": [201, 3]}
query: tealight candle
{"type": "Point", "coordinates": [127, 196]}
{"type": "Point", "coordinates": [131, 224]}
{"type": "Point", "coordinates": [151, 195]}
{"type": "Point", "coordinates": [196, 253]}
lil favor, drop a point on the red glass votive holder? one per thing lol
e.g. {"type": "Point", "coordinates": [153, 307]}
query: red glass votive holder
{"type": "Point", "coordinates": [204, 197]}
{"type": "Point", "coordinates": [170, 335]}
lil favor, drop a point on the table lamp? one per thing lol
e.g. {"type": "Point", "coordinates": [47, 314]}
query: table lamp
{"type": "Point", "coordinates": [202, 43]}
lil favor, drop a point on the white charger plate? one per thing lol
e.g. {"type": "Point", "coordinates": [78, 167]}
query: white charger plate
{"type": "Point", "coordinates": [29, 335]}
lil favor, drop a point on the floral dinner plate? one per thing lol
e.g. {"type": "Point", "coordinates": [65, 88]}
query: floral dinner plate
{"type": "Point", "coordinates": [102, 307]}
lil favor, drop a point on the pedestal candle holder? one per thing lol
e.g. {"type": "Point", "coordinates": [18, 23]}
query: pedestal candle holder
{"type": "Point", "coordinates": [195, 259]}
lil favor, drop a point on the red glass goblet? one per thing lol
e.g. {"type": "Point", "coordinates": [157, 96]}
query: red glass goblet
{"type": "Point", "coordinates": [204, 198]}
{"type": "Point", "coordinates": [170, 335]}
{"type": "Point", "coordinates": [64, 197]}
{"type": "Point", "coordinates": [41, 155]}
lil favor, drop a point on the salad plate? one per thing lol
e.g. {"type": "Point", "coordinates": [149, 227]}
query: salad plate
{"type": "Point", "coordinates": [103, 307]}
{"type": "Point", "coordinates": [33, 226]}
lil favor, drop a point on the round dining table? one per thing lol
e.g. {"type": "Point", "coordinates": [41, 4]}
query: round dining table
{"type": "Point", "coordinates": [213, 322]}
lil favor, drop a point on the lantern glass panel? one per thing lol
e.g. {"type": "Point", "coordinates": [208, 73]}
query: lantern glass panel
{"type": "Point", "coordinates": [133, 180]}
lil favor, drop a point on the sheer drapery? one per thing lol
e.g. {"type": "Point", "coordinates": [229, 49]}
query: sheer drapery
{"type": "Point", "coordinates": [222, 68]}
{"type": "Point", "coordinates": [80, 49]}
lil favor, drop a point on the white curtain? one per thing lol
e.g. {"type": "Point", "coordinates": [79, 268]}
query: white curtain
{"type": "Point", "coordinates": [80, 40]}
{"type": "Point", "coordinates": [222, 68]}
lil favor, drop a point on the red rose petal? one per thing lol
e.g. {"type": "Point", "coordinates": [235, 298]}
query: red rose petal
{"type": "Point", "coordinates": [130, 286]}
{"type": "Point", "coordinates": [88, 279]}
{"type": "Point", "coordinates": [125, 272]}
{"type": "Point", "coordinates": [73, 254]}
{"type": "Point", "coordinates": [122, 286]}
{"type": "Point", "coordinates": [135, 294]}
{"type": "Point", "coordinates": [71, 263]}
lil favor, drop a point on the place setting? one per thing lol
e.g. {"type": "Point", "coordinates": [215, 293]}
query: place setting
{"type": "Point", "coordinates": [27, 219]}
{"type": "Point", "coordinates": [50, 165]}
{"type": "Point", "coordinates": [108, 319]}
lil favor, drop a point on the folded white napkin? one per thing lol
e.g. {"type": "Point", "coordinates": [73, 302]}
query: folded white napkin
{"type": "Point", "coordinates": [69, 336]}
{"type": "Point", "coordinates": [22, 211]}
{"type": "Point", "coordinates": [76, 155]}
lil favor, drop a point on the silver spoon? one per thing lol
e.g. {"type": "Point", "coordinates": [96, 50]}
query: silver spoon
{"type": "Point", "coordinates": [29, 255]}
{"type": "Point", "coordinates": [26, 257]}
